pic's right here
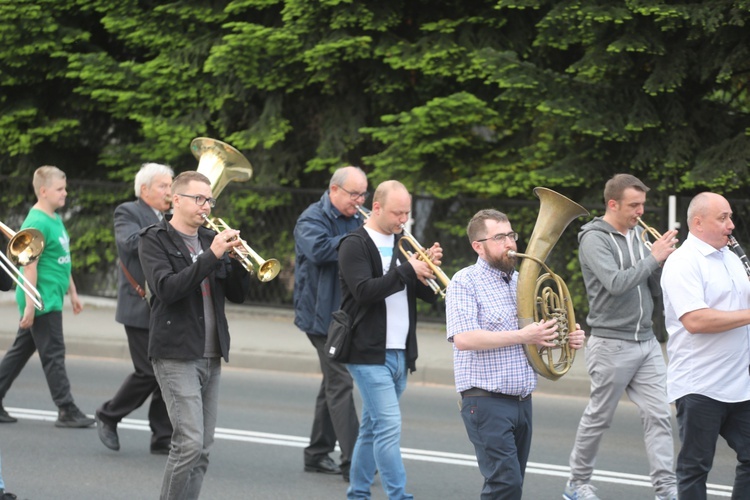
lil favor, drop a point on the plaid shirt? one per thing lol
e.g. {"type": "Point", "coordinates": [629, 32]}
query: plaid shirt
{"type": "Point", "coordinates": [481, 297]}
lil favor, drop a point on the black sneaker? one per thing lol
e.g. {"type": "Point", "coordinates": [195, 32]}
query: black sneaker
{"type": "Point", "coordinates": [4, 495]}
{"type": "Point", "coordinates": [70, 416]}
{"type": "Point", "coordinates": [5, 418]}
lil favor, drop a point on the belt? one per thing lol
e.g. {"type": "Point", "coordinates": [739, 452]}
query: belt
{"type": "Point", "coordinates": [477, 392]}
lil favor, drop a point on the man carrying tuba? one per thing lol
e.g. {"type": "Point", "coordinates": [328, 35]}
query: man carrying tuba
{"type": "Point", "coordinates": [492, 371]}
{"type": "Point", "coordinates": [621, 274]}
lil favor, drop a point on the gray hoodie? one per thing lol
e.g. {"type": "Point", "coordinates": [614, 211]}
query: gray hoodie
{"type": "Point", "coordinates": [621, 281]}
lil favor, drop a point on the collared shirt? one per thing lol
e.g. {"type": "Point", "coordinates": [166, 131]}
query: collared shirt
{"type": "Point", "coordinates": [698, 276]}
{"type": "Point", "coordinates": [481, 297]}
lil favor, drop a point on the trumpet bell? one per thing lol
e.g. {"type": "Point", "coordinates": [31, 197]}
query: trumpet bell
{"type": "Point", "coordinates": [268, 270]}
{"type": "Point", "coordinates": [220, 162]}
{"type": "Point", "coordinates": [25, 247]}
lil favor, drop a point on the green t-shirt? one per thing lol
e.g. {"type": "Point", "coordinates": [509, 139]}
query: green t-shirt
{"type": "Point", "coordinates": [53, 266]}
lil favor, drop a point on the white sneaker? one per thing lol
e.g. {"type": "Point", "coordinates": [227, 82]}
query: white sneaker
{"type": "Point", "coordinates": [583, 491]}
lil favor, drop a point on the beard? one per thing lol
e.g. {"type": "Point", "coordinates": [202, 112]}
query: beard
{"type": "Point", "coordinates": [504, 263]}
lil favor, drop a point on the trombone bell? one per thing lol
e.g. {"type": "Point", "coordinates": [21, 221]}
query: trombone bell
{"type": "Point", "coordinates": [24, 247]}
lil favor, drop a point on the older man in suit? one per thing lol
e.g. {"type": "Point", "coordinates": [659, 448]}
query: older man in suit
{"type": "Point", "coordinates": [152, 190]}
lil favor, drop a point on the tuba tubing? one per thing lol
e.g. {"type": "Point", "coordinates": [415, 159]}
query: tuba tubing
{"type": "Point", "coordinates": [556, 212]}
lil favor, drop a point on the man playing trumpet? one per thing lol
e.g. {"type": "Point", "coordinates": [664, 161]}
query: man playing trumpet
{"type": "Point", "coordinates": [376, 277]}
{"type": "Point", "coordinates": [621, 274]}
{"type": "Point", "coordinates": [189, 272]}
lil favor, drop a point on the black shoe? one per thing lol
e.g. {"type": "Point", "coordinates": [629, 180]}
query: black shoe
{"type": "Point", "coordinates": [4, 495]}
{"type": "Point", "coordinates": [107, 434]}
{"type": "Point", "coordinates": [161, 449]}
{"type": "Point", "coordinates": [70, 416]}
{"type": "Point", "coordinates": [325, 465]}
{"type": "Point", "coordinates": [5, 418]}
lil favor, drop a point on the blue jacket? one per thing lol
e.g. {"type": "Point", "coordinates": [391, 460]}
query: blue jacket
{"type": "Point", "coordinates": [317, 292]}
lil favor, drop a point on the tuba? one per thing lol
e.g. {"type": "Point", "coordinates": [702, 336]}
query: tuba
{"type": "Point", "coordinates": [24, 247]}
{"type": "Point", "coordinates": [222, 164]}
{"type": "Point", "coordinates": [544, 297]}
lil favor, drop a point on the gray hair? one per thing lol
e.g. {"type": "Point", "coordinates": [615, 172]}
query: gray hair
{"type": "Point", "coordinates": [146, 174]}
{"type": "Point", "coordinates": [340, 175]}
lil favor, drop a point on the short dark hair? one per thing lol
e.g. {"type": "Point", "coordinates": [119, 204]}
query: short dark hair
{"type": "Point", "coordinates": [186, 177]}
{"type": "Point", "coordinates": [477, 228]}
{"type": "Point", "coordinates": [617, 185]}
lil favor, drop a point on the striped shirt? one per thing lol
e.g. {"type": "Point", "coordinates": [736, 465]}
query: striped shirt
{"type": "Point", "coordinates": [481, 297]}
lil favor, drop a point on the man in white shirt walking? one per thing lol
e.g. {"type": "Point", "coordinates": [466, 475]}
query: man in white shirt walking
{"type": "Point", "coordinates": [707, 312]}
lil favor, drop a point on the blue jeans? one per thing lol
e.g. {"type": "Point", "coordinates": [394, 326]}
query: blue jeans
{"type": "Point", "coordinates": [190, 389]}
{"type": "Point", "coordinates": [701, 421]}
{"type": "Point", "coordinates": [500, 430]}
{"type": "Point", "coordinates": [2, 484]}
{"type": "Point", "coordinates": [379, 443]}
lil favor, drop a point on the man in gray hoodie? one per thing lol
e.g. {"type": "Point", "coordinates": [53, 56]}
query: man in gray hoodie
{"type": "Point", "coordinates": [621, 276]}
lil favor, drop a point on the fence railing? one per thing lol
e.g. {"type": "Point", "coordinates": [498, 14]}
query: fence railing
{"type": "Point", "coordinates": [266, 219]}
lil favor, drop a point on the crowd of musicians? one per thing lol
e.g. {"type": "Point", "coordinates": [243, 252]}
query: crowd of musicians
{"type": "Point", "coordinates": [176, 271]}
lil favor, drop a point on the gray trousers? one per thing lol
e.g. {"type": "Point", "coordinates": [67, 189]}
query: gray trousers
{"type": "Point", "coordinates": [191, 391]}
{"type": "Point", "coordinates": [638, 369]}
{"type": "Point", "coordinates": [45, 336]}
{"type": "Point", "coordinates": [335, 413]}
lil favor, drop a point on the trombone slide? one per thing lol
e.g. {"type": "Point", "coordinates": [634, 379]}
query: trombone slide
{"type": "Point", "coordinates": [24, 247]}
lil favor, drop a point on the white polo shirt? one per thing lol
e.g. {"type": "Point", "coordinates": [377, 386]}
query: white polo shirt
{"type": "Point", "coordinates": [697, 276]}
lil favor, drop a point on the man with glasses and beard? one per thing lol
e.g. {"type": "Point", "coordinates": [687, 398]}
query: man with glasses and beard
{"type": "Point", "coordinates": [491, 370]}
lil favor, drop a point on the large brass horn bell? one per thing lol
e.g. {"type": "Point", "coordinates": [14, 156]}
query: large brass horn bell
{"type": "Point", "coordinates": [24, 248]}
{"type": "Point", "coordinates": [546, 296]}
{"type": "Point", "coordinates": [223, 164]}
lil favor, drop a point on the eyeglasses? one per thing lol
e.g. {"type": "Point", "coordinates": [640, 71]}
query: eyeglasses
{"type": "Point", "coordinates": [354, 196]}
{"type": "Point", "coordinates": [200, 200]}
{"type": "Point", "coordinates": [500, 238]}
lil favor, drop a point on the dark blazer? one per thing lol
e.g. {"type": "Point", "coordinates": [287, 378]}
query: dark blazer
{"type": "Point", "coordinates": [364, 285]}
{"type": "Point", "coordinates": [177, 327]}
{"type": "Point", "coordinates": [130, 218]}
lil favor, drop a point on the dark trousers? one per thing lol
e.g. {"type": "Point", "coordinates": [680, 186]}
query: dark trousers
{"type": "Point", "coordinates": [335, 414]}
{"type": "Point", "coordinates": [701, 421]}
{"type": "Point", "coordinates": [46, 336]}
{"type": "Point", "coordinates": [500, 430]}
{"type": "Point", "coordinates": [136, 388]}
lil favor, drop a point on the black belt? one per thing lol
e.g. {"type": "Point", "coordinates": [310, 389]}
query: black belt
{"type": "Point", "coordinates": [477, 392]}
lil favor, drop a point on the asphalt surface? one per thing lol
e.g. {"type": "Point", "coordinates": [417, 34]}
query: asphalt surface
{"type": "Point", "coordinates": [262, 338]}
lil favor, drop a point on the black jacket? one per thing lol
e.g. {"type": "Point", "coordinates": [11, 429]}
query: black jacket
{"type": "Point", "coordinates": [177, 327]}
{"type": "Point", "coordinates": [364, 285]}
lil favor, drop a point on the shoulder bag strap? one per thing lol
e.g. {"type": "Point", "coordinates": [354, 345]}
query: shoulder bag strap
{"type": "Point", "coordinates": [138, 288]}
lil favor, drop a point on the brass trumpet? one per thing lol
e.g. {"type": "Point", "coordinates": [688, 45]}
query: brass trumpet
{"type": "Point", "coordinates": [24, 247]}
{"type": "Point", "coordinates": [266, 270]}
{"type": "Point", "coordinates": [648, 231]}
{"type": "Point", "coordinates": [223, 164]}
{"type": "Point", "coordinates": [441, 281]}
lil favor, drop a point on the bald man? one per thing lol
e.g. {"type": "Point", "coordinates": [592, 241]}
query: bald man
{"type": "Point", "coordinates": [380, 284]}
{"type": "Point", "coordinates": [707, 312]}
{"type": "Point", "coordinates": [317, 294]}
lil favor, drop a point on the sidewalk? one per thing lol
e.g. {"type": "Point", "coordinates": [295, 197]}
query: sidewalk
{"type": "Point", "coordinates": [262, 338]}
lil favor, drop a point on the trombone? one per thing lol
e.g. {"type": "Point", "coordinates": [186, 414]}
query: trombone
{"type": "Point", "coordinates": [266, 270]}
{"type": "Point", "coordinates": [648, 231]}
{"type": "Point", "coordinates": [24, 247]}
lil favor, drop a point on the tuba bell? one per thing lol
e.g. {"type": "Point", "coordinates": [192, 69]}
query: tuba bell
{"type": "Point", "coordinates": [546, 296]}
{"type": "Point", "coordinates": [222, 164]}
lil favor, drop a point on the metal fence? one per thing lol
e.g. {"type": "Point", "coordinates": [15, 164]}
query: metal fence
{"type": "Point", "coordinates": [266, 219]}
